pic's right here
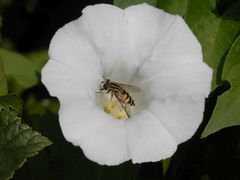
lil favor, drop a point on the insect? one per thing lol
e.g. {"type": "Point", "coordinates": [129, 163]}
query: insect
{"type": "Point", "coordinates": [118, 91]}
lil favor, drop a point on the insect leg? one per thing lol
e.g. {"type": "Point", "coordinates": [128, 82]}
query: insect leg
{"type": "Point", "coordinates": [99, 92]}
{"type": "Point", "coordinates": [125, 109]}
{"type": "Point", "coordinates": [123, 106]}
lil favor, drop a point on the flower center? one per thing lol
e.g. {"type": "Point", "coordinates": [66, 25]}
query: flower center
{"type": "Point", "coordinates": [113, 106]}
{"type": "Point", "coordinates": [116, 100]}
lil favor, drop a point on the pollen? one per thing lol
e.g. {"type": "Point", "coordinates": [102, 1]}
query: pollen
{"type": "Point", "coordinates": [114, 108]}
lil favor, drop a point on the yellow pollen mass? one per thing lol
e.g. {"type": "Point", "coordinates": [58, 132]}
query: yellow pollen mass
{"type": "Point", "coordinates": [115, 109]}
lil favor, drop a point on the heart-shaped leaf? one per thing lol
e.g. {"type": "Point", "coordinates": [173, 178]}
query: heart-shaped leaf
{"type": "Point", "coordinates": [17, 142]}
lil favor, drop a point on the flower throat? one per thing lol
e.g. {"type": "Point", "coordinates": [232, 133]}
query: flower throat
{"type": "Point", "coordinates": [119, 101]}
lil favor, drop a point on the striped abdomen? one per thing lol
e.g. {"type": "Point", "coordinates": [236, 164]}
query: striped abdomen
{"type": "Point", "coordinates": [121, 94]}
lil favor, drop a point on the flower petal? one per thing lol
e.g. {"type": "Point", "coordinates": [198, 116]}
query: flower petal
{"type": "Point", "coordinates": [125, 38]}
{"type": "Point", "coordinates": [62, 81]}
{"type": "Point", "coordinates": [186, 80]}
{"type": "Point", "coordinates": [108, 145]}
{"type": "Point", "coordinates": [144, 26]}
{"type": "Point", "coordinates": [102, 138]}
{"type": "Point", "coordinates": [71, 47]}
{"type": "Point", "coordinates": [148, 140]}
{"type": "Point", "coordinates": [105, 23]}
{"type": "Point", "coordinates": [177, 47]}
{"type": "Point", "coordinates": [80, 118]}
{"type": "Point", "coordinates": [181, 116]}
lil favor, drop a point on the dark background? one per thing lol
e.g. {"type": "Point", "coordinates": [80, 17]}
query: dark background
{"type": "Point", "coordinates": [29, 26]}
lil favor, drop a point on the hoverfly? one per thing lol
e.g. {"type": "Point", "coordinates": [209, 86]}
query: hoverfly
{"type": "Point", "coordinates": [118, 91]}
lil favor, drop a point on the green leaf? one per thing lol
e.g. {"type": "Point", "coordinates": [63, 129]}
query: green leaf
{"type": "Point", "coordinates": [17, 142]}
{"type": "Point", "coordinates": [174, 6]}
{"type": "Point", "coordinates": [11, 102]}
{"type": "Point", "coordinates": [3, 81]}
{"type": "Point", "coordinates": [20, 71]}
{"type": "Point", "coordinates": [215, 33]}
{"type": "Point", "coordinates": [226, 112]}
{"type": "Point", "coordinates": [125, 3]}
{"type": "Point", "coordinates": [36, 106]}
{"type": "Point", "coordinates": [39, 58]}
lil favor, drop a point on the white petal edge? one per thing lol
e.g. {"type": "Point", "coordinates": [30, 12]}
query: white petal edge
{"type": "Point", "coordinates": [177, 47]}
{"type": "Point", "coordinates": [181, 116]}
{"type": "Point", "coordinates": [102, 138]}
{"type": "Point", "coordinates": [79, 118]}
{"type": "Point", "coordinates": [148, 140]}
{"type": "Point", "coordinates": [104, 24]}
{"type": "Point", "coordinates": [62, 81]}
{"type": "Point", "coordinates": [108, 145]}
{"type": "Point", "coordinates": [125, 38]}
{"type": "Point", "coordinates": [70, 46]}
{"type": "Point", "coordinates": [144, 26]}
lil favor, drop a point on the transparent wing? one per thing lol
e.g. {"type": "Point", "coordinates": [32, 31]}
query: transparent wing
{"type": "Point", "coordinates": [129, 87]}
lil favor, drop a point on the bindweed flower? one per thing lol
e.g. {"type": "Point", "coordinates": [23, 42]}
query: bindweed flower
{"type": "Point", "coordinates": [140, 46]}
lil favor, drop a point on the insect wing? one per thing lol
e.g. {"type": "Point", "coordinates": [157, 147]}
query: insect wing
{"type": "Point", "coordinates": [129, 87]}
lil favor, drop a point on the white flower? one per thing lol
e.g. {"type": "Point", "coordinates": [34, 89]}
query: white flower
{"type": "Point", "coordinates": [142, 46]}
